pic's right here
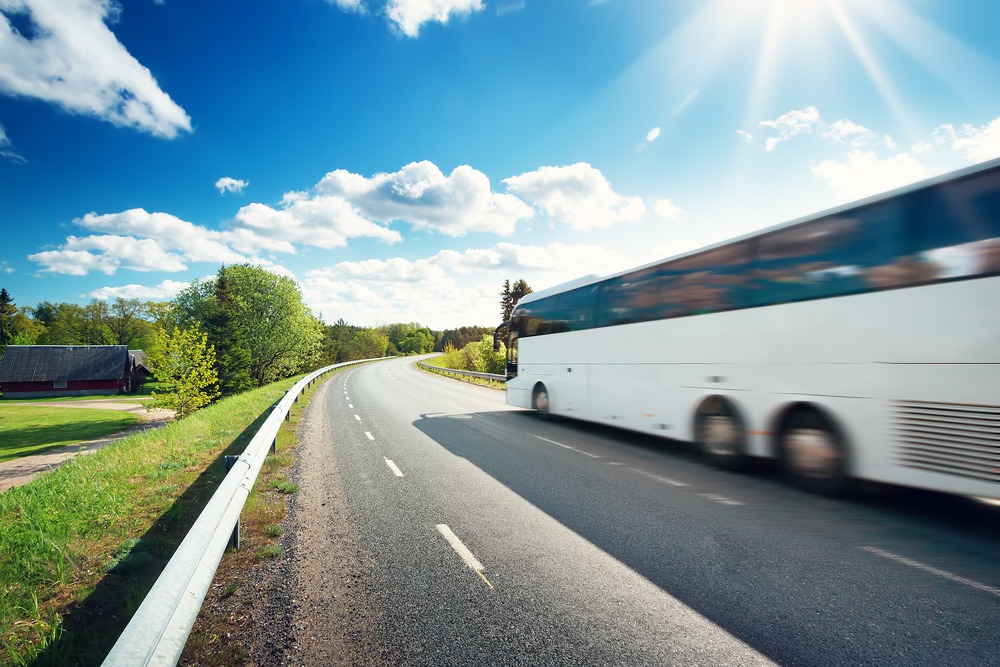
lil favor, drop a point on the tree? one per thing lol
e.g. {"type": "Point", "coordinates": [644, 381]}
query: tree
{"type": "Point", "coordinates": [7, 312]}
{"type": "Point", "coordinates": [183, 359]}
{"type": "Point", "coordinates": [417, 342]}
{"type": "Point", "coordinates": [276, 327]}
{"type": "Point", "coordinates": [224, 330]}
{"type": "Point", "coordinates": [510, 295]}
{"type": "Point", "coordinates": [368, 344]}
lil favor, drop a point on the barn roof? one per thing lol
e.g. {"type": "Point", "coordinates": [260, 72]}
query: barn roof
{"type": "Point", "coordinates": [42, 363]}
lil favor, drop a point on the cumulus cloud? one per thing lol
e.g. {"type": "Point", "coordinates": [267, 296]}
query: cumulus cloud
{"type": "Point", "coordinates": [79, 256]}
{"type": "Point", "coordinates": [227, 184]}
{"type": "Point", "coordinates": [976, 143]}
{"type": "Point", "coordinates": [665, 208]}
{"type": "Point", "coordinates": [423, 196]}
{"type": "Point", "coordinates": [577, 195]}
{"type": "Point", "coordinates": [408, 15]}
{"type": "Point", "coordinates": [71, 59]}
{"type": "Point", "coordinates": [863, 173]}
{"type": "Point", "coordinates": [165, 291]}
{"type": "Point", "coordinates": [386, 290]}
{"type": "Point", "coordinates": [321, 221]}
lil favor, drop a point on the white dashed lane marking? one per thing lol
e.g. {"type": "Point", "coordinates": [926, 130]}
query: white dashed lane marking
{"type": "Point", "coordinates": [370, 436]}
{"type": "Point", "coordinates": [933, 570]}
{"type": "Point", "coordinates": [463, 551]}
{"type": "Point", "coordinates": [578, 451]}
{"type": "Point", "coordinates": [394, 468]}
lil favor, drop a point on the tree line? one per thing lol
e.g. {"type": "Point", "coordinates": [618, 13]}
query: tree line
{"type": "Point", "coordinates": [246, 327]}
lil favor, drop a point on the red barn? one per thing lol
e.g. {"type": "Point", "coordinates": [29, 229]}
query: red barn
{"type": "Point", "coordinates": [33, 371]}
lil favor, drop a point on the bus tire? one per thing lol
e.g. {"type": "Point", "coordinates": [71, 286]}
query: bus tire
{"type": "Point", "coordinates": [813, 453]}
{"type": "Point", "coordinates": [540, 401]}
{"type": "Point", "coordinates": [721, 434]}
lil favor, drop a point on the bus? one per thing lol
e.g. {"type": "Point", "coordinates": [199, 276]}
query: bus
{"type": "Point", "coordinates": [860, 343]}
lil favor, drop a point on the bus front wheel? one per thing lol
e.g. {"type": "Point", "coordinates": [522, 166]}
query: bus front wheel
{"type": "Point", "coordinates": [720, 434]}
{"type": "Point", "coordinates": [813, 454]}
{"type": "Point", "coordinates": [540, 401]}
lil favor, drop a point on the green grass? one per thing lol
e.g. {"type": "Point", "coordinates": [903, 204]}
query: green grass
{"type": "Point", "coordinates": [29, 429]}
{"type": "Point", "coordinates": [80, 546]}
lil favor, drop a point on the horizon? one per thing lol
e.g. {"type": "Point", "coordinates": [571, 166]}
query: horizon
{"type": "Point", "coordinates": [400, 159]}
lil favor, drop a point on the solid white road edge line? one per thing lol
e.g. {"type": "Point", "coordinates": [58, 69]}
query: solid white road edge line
{"type": "Point", "coordinates": [578, 451]}
{"type": "Point", "coordinates": [933, 570]}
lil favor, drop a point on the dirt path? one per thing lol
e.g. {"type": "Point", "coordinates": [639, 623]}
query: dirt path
{"type": "Point", "coordinates": [24, 469]}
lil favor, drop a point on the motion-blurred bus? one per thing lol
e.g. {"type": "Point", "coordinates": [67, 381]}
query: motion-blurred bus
{"type": "Point", "coordinates": [859, 343]}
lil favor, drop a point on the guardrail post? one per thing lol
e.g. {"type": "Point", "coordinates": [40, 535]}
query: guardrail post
{"type": "Point", "coordinates": [274, 445]}
{"type": "Point", "coordinates": [234, 539]}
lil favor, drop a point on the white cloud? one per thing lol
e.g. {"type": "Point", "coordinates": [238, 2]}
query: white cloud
{"type": "Point", "coordinates": [373, 291]}
{"type": "Point", "coordinates": [747, 137]}
{"type": "Point", "coordinates": [653, 134]}
{"type": "Point", "coordinates": [666, 208]}
{"type": "Point", "coordinates": [165, 291]}
{"type": "Point", "coordinates": [863, 173]}
{"type": "Point", "coordinates": [184, 239]}
{"type": "Point", "coordinates": [7, 148]}
{"type": "Point", "coordinates": [976, 143]}
{"type": "Point", "coordinates": [78, 256]}
{"type": "Point", "coordinates": [409, 15]}
{"type": "Point", "coordinates": [349, 5]}
{"type": "Point", "coordinates": [788, 125]}
{"type": "Point", "coordinates": [75, 62]}
{"type": "Point", "coordinates": [6, 268]}
{"type": "Point", "coordinates": [846, 131]}
{"type": "Point", "coordinates": [577, 195]}
{"type": "Point", "coordinates": [227, 184]}
{"type": "Point", "coordinates": [423, 196]}
{"type": "Point", "coordinates": [322, 221]}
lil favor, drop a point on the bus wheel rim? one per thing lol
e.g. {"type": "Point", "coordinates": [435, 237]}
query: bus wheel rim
{"type": "Point", "coordinates": [813, 453]}
{"type": "Point", "coordinates": [720, 435]}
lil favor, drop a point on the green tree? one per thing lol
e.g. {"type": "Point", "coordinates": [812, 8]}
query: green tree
{"type": "Point", "coordinates": [277, 328]}
{"type": "Point", "coordinates": [7, 312]}
{"type": "Point", "coordinates": [226, 333]}
{"type": "Point", "coordinates": [417, 342]}
{"type": "Point", "coordinates": [183, 359]}
{"type": "Point", "coordinates": [510, 295]}
{"type": "Point", "coordinates": [369, 344]}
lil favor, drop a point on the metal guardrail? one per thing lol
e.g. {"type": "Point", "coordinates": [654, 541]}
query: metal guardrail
{"type": "Point", "coordinates": [158, 631]}
{"type": "Point", "coordinates": [452, 371]}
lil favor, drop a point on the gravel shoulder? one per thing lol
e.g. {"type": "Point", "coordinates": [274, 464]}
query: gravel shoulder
{"type": "Point", "coordinates": [312, 605]}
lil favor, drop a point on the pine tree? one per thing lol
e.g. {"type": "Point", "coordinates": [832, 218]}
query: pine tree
{"type": "Point", "coordinates": [7, 313]}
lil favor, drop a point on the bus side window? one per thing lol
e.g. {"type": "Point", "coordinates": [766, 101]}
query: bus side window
{"type": "Point", "coordinates": [841, 254]}
{"type": "Point", "coordinates": [959, 226]}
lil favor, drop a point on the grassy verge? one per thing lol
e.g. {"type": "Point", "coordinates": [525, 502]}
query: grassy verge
{"type": "Point", "coordinates": [29, 429]}
{"type": "Point", "coordinates": [441, 369]}
{"type": "Point", "coordinates": [80, 547]}
{"type": "Point", "coordinates": [217, 637]}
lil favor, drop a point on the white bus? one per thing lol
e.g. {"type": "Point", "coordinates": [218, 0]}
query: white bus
{"type": "Point", "coordinates": [859, 343]}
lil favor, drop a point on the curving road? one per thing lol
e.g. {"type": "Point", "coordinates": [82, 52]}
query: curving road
{"type": "Point", "coordinates": [477, 534]}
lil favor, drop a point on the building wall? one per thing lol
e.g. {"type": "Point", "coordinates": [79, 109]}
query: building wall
{"type": "Point", "coordinates": [47, 389]}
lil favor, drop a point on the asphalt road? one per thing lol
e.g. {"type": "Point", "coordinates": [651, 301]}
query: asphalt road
{"type": "Point", "coordinates": [499, 539]}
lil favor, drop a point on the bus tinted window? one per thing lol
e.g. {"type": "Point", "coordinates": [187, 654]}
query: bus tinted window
{"type": "Point", "coordinates": [840, 254]}
{"type": "Point", "coordinates": [959, 230]}
{"type": "Point", "coordinates": [708, 282]}
{"type": "Point", "coordinates": [579, 308]}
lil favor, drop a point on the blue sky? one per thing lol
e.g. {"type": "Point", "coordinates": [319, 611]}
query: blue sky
{"type": "Point", "coordinates": [401, 158]}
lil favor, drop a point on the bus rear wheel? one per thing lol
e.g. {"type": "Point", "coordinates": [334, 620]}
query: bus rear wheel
{"type": "Point", "coordinates": [720, 434]}
{"type": "Point", "coordinates": [540, 401]}
{"type": "Point", "coordinates": [813, 454]}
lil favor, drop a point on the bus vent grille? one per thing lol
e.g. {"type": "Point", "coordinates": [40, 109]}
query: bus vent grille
{"type": "Point", "coordinates": [950, 438]}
